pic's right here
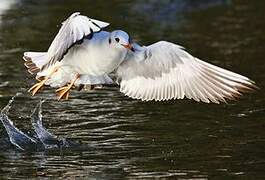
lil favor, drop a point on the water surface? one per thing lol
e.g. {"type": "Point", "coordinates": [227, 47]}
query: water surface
{"type": "Point", "coordinates": [133, 139]}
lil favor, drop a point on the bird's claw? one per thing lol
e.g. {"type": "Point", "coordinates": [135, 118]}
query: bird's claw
{"type": "Point", "coordinates": [36, 87]}
{"type": "Point", "coordinates": [63, 92]}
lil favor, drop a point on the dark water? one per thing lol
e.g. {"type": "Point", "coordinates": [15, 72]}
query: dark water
{"type": "Point", "coordinates": [133, 139]}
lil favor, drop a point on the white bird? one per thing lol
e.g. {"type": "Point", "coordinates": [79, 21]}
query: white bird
{"type": "Point", "coordinates": [82, 53]}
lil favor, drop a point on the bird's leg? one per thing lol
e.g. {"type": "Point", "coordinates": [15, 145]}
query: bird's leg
{"type": "Point", "coordinates": [36, 87]}
{"type": "Point", "coordinates": [63, 92]}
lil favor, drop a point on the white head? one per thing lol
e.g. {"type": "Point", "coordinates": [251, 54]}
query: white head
{"type": "Point", "coordinates": [120, 39]}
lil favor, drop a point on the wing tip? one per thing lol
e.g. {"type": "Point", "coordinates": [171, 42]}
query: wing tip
{"type": "Point", "coordinates": [30, 65]}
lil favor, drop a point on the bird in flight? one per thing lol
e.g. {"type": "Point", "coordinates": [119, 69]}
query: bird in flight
{"type": "Point", "coordinates": [82, 53]}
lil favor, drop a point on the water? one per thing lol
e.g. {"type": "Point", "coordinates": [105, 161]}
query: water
{"type": "Point", "coordinates": [39, 140]}
{"type": "Point", "coordinates": [19, 139]}
{"type": "Point", "coordinates": [133, 139]}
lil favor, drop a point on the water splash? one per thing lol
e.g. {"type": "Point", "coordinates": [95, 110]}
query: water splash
{"type": "Point", "coordinates": [47, 139]}
{"type": "Point", "coordinates": [16, 137]}
{"type": "Point", "coordinates": [43, 138]}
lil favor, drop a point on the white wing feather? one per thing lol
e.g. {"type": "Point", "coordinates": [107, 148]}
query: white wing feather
{"type": "Point", "coordinates": [74, 29]}
{"type": "Point", "coordinates": [167, 71]}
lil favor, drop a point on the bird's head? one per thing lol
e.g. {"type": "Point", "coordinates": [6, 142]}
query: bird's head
{"type": "Point", "coordinates": [120, 39]}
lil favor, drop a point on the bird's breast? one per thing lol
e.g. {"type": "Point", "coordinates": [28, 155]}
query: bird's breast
{"type": "Point", "coordinates": [93, 58]}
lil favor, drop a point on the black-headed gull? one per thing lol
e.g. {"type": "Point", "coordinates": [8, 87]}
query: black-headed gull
{"type": "Point", "coordinates": [82, 53]}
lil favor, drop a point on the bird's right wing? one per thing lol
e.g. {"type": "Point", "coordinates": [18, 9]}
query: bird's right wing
{"type": "Point", "coordinates": [73, 30]}
{"type": "Point", "coordinates": [166, 71]}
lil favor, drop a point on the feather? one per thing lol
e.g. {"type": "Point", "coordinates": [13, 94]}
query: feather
{"type": "Point", "coordinates": [167, 71]}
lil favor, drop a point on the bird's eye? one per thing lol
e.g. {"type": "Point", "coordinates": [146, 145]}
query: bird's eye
{"type": "Point", "coordinates": [117, 40]}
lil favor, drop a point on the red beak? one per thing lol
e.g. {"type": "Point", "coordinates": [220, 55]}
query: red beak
{"type": "Point", "coordinates": [128, 46]}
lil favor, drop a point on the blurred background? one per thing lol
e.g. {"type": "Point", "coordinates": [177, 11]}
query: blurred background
{"type": "Point", "coordinates": [129, 138]}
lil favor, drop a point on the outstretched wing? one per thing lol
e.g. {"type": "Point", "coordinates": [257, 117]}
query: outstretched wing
{"type": "Point", "coordinates": [73, 31]}
{"type": "Point", "coordinates": [166, 71]}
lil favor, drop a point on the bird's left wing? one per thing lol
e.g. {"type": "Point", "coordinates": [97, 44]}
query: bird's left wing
{"type": "Point", "coordinates": [73, 30]}
{"type": "Point", "coordinates": [166, 71]}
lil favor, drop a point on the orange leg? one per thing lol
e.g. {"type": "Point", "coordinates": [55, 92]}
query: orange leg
{"type": "Point", "coordinates": [63, 92]}
{"type": "Point", "coordinates": [35, 88]}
